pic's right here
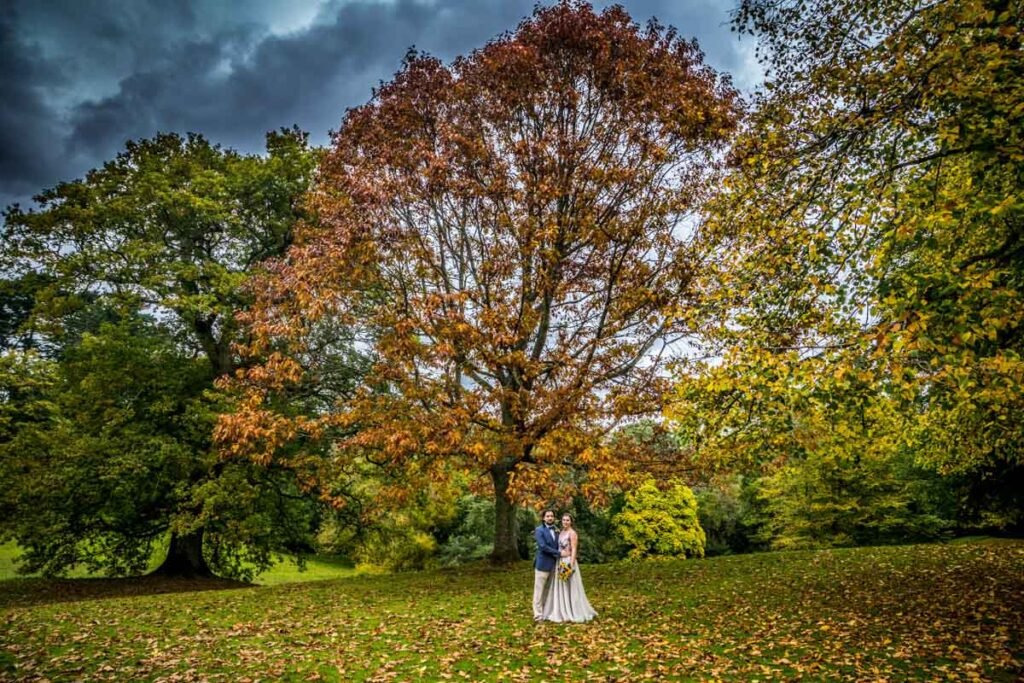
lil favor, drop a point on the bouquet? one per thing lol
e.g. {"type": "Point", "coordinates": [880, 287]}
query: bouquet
{"type": "Point", "coordinates": [564, 569]}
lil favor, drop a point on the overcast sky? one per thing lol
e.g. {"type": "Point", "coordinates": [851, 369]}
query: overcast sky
{"type": "Point", "coordinates": [80, 77]}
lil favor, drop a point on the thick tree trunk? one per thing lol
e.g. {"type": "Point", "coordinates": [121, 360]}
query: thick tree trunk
{"type": "Point", "coordinates": [505, 531]}
{"type": "Point", "coordinates": [217, 349]}
{"type": "Point", "coordinates": [185, 557]}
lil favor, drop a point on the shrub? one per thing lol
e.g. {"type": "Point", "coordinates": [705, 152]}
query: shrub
{"type": "Point", "coordinates": [661, 523]}
{"type": "Point", "coordinates": [401, 548]}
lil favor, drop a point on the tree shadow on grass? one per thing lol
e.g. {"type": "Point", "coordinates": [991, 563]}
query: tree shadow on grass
{"type": "Point", "coordinates": [36, 591]}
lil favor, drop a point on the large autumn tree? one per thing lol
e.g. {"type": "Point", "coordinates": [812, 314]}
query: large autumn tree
{"type": "Point", "coordinates": [511, 232]}
{"type": "Point", "coordinates": [871, 239]}
{"type": "Point", "coordinates": [128, 282]}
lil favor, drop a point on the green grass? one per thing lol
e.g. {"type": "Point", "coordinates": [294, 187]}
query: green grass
{"type": "Point", "coordinates": [8, 561]}
{"type": "Point", "coordinates": [931, 612]}
{"type": "Point", "coordinates": [287, 571]}
{"type": "Point", "coordinates": [316, 569]}
{"type": "Point", "coordinates": [8, 553]}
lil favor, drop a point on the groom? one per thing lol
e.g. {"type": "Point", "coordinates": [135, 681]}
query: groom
{"type": "Point", "coordinates": [547, 556]}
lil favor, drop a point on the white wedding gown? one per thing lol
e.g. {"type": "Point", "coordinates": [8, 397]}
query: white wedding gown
{"type": "Point", "coordinates": [566, 600]}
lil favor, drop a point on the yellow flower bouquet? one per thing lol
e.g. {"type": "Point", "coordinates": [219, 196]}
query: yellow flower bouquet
{"type": "Point", "coordinates": [564, 569]}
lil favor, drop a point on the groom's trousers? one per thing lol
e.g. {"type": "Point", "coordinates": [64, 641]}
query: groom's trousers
{"type": "Point", "coordinates": [540, 593]}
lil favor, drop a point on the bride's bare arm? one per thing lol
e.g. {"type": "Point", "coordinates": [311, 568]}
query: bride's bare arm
{"type": "Point", "coordinates": [573, 542]}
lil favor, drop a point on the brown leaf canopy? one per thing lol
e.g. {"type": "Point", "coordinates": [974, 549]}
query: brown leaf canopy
{"type": "Point", "coordinates": [509, 232]}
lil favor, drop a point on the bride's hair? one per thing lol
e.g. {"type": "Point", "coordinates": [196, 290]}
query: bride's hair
{"type": "Point", "coordinates": [572, 517]}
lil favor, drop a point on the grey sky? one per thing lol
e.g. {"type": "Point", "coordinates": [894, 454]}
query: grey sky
{"type": "Point", "coordinates": [80, 77]}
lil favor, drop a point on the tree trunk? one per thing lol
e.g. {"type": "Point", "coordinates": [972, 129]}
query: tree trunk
{"type": "Point", "coordinates": [185, 557]}
{"type": "Point", "coordinates": [505, 532]}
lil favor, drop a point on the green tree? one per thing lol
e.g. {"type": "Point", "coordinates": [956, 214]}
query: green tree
{"type": "Point", "coordinates": [172, 224]}
{"type": "Point", "coordinates": [17, 301]}
{"type": "Point", "coordinates": [871, 233]}
{"type": "Point", "coordinates": [661, 522]}
{"type": "Point", "coordinates": [830, 499]}
{"type": "Point", "coordinates": [108, 449]}
{"type": "Point", "coordinates": [732, 514]}
{"type": "Point", "coordinates": [171, 227]}
{"type": "Point", "coordinates": [847, 479]}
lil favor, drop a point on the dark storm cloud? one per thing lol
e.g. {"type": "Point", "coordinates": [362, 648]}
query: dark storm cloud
{"type": "Point", "coordinates": [54, 56]}
{"type": "Point", "coordinates": [234, 94]}
{"type": "Point", "coordinates": [88, 76]}
{"type": "Point", "coordinates": [28, 127]}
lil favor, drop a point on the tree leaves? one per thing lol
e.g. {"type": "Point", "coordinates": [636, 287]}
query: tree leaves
{"type": "Point", "coordinates": [128, 280]}
{"type": "Point", "coordinates": [503, 233]}
{"type": "Point", "coordinates": [869, 237]}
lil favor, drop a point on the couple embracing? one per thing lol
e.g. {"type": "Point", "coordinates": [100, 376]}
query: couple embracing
{"type": "Point", "coordinates": [558, 593]}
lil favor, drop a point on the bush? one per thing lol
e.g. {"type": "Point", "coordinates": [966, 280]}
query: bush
{"type": "Point", "coordinates": [719, 513]}
{"type": "Point", "coordinates": [398, 548]}
{"type": "Point", "coordinates": [379, 534]}
{"type": "Point", "coordinates": [661, 523]}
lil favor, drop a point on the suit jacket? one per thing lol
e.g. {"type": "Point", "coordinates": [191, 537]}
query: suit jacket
{"type": "Point", "coordinates": [547, 549]}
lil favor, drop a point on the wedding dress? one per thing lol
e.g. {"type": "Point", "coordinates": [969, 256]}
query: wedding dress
{"type": "Point", "coordinates": [566, 600]}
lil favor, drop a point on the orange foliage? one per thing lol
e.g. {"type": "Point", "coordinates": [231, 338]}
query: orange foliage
{"type": "Point", "coordinates": [508, 231]}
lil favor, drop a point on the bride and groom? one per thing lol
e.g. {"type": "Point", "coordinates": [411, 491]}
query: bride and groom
{"type": "Point", "coordinates": [558, 593]}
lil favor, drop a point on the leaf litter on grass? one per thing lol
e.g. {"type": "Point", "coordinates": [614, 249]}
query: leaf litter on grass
{"type": "Point", "coordinates": [929, 612]}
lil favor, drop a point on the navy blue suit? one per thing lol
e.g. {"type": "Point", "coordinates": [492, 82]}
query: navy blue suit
{"type": "Point", "coordinates": [547, 548]}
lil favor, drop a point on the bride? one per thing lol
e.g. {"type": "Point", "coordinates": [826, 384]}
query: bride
{"type": "Point", "coordinates": [567, 601]}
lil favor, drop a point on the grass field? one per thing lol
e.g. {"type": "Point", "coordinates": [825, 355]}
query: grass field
{"type": "Point", "coordinates": [932, 612]}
